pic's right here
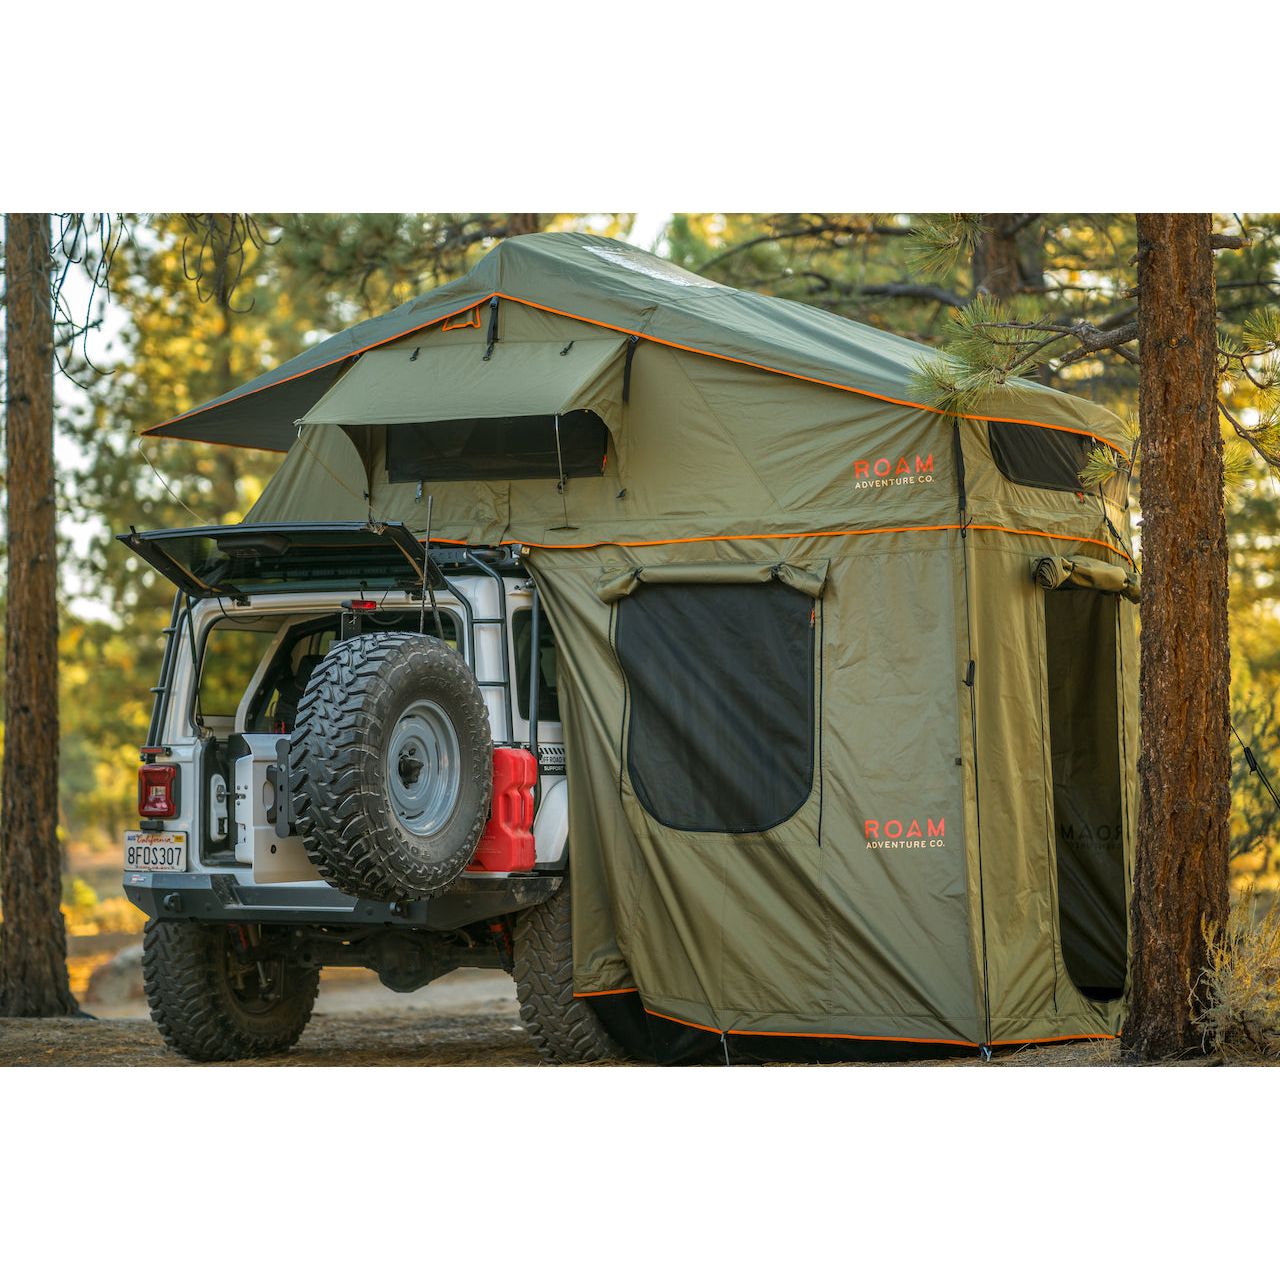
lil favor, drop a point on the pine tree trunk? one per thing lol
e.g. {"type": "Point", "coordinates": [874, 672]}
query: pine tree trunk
{"type": "Point", "coordinates": [1184, 767]}
{"type": "Point", "coordinates": [523, 224]}
{"type": "Point", "coordinates": [33, 945]}
{"type": "Point", "coordinates": [995, 256]}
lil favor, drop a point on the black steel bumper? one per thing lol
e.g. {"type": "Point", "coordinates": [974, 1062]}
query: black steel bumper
{"type": "Point", "coordinates": [184, 895]}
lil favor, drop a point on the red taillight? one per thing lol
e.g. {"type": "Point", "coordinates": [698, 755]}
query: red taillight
{"type": "Point", "coordinates": [158, 791]}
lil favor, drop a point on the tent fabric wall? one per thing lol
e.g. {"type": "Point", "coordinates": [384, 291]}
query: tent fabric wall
{"type": "Point", "coordinates": [800, 929]}
{"type": "Point", "coordinates": [912, 895]}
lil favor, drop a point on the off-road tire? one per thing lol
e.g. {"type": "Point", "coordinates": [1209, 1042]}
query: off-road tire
{"type": "Point", "coordinates": [186, 975]}
{"type": "Point", "coordinates": [338, 765]}
{"type": "Point", "coordinates": [564, 1029]}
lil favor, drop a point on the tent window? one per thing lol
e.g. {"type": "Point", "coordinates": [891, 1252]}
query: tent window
{"type": "Point", "coordinates": [720, 678]}
{"type": "Point", "coordinates": [1038, 457]}
{"type": "Point", "coordinates": [522, 448]}
{"type": "Point", "coordinates": [1084, 742]}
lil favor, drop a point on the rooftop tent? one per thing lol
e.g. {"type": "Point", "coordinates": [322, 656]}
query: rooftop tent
{"type": "Point", "coordinates": [618, 288]}
{"type": "Point", "coordinates": [804, 623]}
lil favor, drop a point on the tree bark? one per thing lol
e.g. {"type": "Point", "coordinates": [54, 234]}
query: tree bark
{"type": "Point", "coordinates": [996, 270]}
{"type": "Point", "coordinates": [33, 946]}
{"type": "Point", "coordinates": [524, 224]}
{"type": "Point", "coordinates": [1184, 766]}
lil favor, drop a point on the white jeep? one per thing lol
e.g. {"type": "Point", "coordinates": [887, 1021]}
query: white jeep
{"type": "Point", "coordinates": [318, 783]}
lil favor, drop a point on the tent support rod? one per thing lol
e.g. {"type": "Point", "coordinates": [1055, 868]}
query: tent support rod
{"type": "Point", "coordinates": [493, 326]}
{"type": "Point", "coordinates": [428, 589]}
{"type": "Point", "coordinates": [971, 682]}
{"type": "Point", "coordinates": [632, 343]}
{"type": "Point", "coordinates": [564, 479]}
{"type": "Point", "coordinates": [535, 664]}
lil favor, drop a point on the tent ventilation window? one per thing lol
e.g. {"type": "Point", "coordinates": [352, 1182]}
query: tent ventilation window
{"type": "Point", "coordinates": [516, 448]}
{"type": "Point", "coordinates": [1088, 825]}
{"type": "Point", "coordinates": [1038, 457]}
{"type": "Point", "coordinates": [720, 680]}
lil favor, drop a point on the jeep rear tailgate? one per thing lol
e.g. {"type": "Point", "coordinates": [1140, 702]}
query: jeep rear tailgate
{"type": "Point", "coordinates": [237, 561]}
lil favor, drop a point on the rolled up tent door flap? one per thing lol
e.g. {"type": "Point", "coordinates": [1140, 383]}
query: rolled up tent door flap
{"type": "Point", "coordinates": [1054, 573]}
{"type": "Point", "coordinates": [809, 579]}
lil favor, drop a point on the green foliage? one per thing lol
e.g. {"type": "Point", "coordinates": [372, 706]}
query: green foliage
{"type": "Point", "coordinates": [942, 243]}
{"type": "Point", "coordinates": [78, 894]}
{"type": "Point", "coordinates": [1101, 465]}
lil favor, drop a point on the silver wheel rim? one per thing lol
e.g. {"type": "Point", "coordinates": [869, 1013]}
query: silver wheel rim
{"type": "Point", "coordinates": [422, 768]}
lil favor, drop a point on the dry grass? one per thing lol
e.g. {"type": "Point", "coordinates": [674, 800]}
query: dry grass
{"type": "Point", "coordinates": [1238, 1009]}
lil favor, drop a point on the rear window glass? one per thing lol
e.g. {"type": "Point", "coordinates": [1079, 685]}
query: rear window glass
{"type": "Point", "coordinates": [274, 708]}
{"type": "Point", "coordinates": [720, 681]}
{"type": "Point", "coordinates": [231, 656]}
{"type": "Point", "coordinates": [548, 665]}
{"type": "Point", "coordinates": [1038, 457]}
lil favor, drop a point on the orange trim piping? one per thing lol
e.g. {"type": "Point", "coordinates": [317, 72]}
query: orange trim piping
{"type": "Point", "coordinates": [617, 991]}
{"type": "Point", "coordinates": [814, 1035]}
{"type": "Point", "coordinates": [842, 1035]}
{"type": "Point", "coordinates": [666, 342]}
{"type": "Point", "coordinates": [471, 322]}
{"type": "Point", "coordinates": [1083, 1035]}
{"type": "Point", "coordinates": [822, 533]}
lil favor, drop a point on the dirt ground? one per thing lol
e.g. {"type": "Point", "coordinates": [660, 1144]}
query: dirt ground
{"type": "Point", "coordinates": [469, 1019]}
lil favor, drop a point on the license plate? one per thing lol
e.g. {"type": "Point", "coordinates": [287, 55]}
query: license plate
{"type": "Point", "coordinates": [155, 850]}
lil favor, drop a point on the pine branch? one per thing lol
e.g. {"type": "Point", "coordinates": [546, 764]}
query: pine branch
{"type": "Point", "coordinates": [922, 292]}
{"type": "Point", "coordinates": [810, 230]}
{"type": "Point", "coordinates": [1092, 341]}
{"type": "Point", "coordinates": [1261, 439]}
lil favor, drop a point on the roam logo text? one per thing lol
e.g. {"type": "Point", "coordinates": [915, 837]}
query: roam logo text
{"type": "Point", "coordinates": [897, 833]}
{"type": "Point", "coordinates": [880, 473]}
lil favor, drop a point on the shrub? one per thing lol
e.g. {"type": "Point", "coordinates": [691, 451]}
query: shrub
{"type": "Point", "coordinates": [1238, 1002]}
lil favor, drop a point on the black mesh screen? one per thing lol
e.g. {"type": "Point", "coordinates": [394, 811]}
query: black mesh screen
{"type": "Point", "coordinates": [721, 688]}
{"type": "Point", "coordinates": [1084, 742]}
{"type": "Point", "coordinates": [521, 448]}
{"type": "Point", "coordinates": [1039, 457]}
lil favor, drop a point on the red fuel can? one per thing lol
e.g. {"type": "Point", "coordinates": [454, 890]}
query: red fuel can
{"type": "Point", "coordinates": [507, 842]}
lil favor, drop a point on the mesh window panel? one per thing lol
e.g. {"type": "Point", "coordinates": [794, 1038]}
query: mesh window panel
{"type": "Point", "coordinates": [1038, 457]}
{"type": "Point", "coordinates": [720, 679]}
{"type": "Point", "coordinates": [1084, 742]}
{"type": "Point", "coordinates": [497, 448]}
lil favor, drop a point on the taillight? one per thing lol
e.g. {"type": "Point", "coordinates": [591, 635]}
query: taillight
{"type": "Point", "coordinates": [158, 791]}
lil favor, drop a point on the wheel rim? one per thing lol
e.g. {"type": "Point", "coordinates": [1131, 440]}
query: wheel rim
{"type": "Point", "coordinates": [422, 768]}
{"type": "Point", "coordinates": [255, 986]}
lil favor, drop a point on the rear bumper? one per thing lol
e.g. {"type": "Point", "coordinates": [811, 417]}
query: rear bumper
{"type": "Point", "coordinates": [184, 895]}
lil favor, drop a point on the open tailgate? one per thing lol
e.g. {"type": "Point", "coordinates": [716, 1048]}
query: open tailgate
{"type": "Point", "coordinates": [241, 560]}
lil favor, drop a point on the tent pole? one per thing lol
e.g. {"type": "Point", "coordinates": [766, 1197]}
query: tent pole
{"type": "Point", "coordinates": [970, 680]}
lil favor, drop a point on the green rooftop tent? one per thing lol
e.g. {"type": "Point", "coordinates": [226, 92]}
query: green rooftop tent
{"type": "Point", "coordinates": [849, 684]}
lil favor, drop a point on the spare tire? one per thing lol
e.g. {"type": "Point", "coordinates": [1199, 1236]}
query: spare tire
{"type": "Point", "coordinates": [391, 766]}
